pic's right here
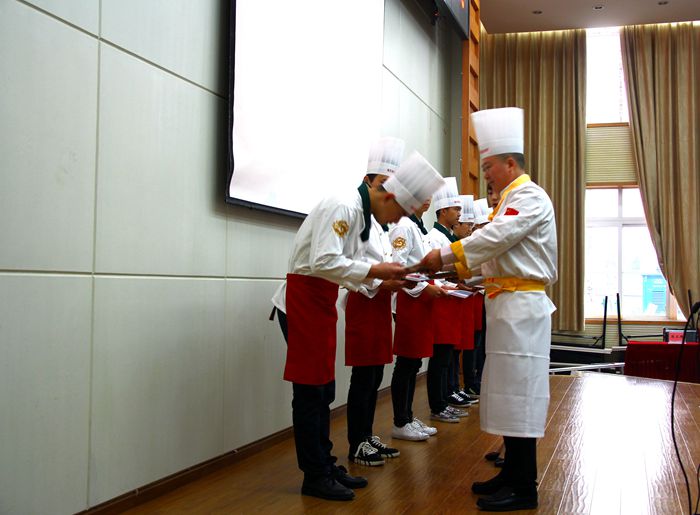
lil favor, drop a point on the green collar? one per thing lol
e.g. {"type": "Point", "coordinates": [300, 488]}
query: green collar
{"type": "Point", "coordinates": [419, 223]}
{"type": "Point", "coordinates": [444, 231]}
{"type": "Point", "coordinates": [366, 211]}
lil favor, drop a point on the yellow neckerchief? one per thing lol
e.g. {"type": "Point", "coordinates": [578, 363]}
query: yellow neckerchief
{"type": "Point", "coordinates": [522, 179]}
{"type": "Point", "coordinates": [497, 285]}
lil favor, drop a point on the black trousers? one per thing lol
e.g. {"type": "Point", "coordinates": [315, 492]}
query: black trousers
{"type": "Point", "coordinates": [362, 401]}
{"type": "Point", "coordinates": [520, 466]}
{"type": "Point", "coordinates": [403, 386]}
{"type": "Point", "coordinates": [480, 349]}
{"type": "Point", "coordinates": [438, 371]}
{"type": "Point", "coordinates": [453, 373]}
{"type": "Point", "coordinates": [312, 422]}
{"type": "Point", "coordinates": [469, 368]}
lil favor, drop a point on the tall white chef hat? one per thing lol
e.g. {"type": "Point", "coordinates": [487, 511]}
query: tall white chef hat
{"type": "Point", "coordinates": [499, 131]}
{"type": "Point", "coordinates": [447, 196]}
{"type": "Point", "coordinates": [385, 156]}
{"type": "Point", "coordinates": [414, 182]}
{"type": "Point", "coordinates": [467, 214]}
{"type": "Point", "coordinates": [481, 211]}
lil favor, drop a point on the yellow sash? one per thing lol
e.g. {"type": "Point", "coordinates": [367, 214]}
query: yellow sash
{"type": "Point", "coordinates": [497, 285]}
{"type": "Point", "coordinates": [517, 182]}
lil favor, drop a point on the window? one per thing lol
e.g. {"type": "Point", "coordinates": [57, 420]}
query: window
{"type": "Point", "coordinates": [606, 98]}
{"type": "Point", "coordinates": [620, 257]}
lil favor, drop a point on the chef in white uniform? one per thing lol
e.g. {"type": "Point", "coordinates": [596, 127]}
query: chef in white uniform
{"type": "Point", "coordinates": [328, 252]}
{"type": "Point", "coordinates": [517, 252]}
{"type": "Point", "coordinates": [446, 312]}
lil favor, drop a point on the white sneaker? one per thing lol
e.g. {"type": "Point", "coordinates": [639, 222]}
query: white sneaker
{"type": "Point", "coordinates": [457, 412]}
{"type": "Point", "coordinates": [423, 427]}
{"type": "Point", "coordinates": [408, 432]}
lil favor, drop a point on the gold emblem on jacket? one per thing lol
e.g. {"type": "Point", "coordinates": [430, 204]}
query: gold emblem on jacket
{"type": "Point", "coordinates": [399, 243]}
{"type": "Point", "coordinates": [341, 228]}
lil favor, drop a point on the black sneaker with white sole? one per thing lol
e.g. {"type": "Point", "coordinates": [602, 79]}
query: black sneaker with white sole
{"type": "Point", "coordinates": [456, 400]}
{"type": "Point", "coordinates": [469, 395]}
{"type": "Point", "coordinates": [366, 455]}
{"type": "Point", "coordinates": [383, 450]}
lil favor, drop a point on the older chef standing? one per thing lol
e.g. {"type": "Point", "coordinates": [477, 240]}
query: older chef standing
{"type": "Point", "coordinates": [517, 252]}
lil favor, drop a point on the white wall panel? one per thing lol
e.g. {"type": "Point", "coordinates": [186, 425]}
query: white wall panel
{"type": "Point", "coordinates": [416, 52]}
{"type": "Point", "coordinates": [82, 13]}
{"type": "Point", "coordinates": [159, 169]}
{"type": "Point", "coordinates": [157, 380]}
{"type": "Point", "coordinates": [44, 393]}
{"type": "Point", "coordinates": [259, 244]}
{"type": "Point", "coordinates": [391, 106]}
{"type": "Point", "coordinates": [48, 113]}
{"type": "Point", "coordinates": [188, 38]}
{"type": "Point", "coordinates": [414, 122]}
{"type": "Point", "coordinates": [256, 398]}
{"type": "Point", "coordinates": [439, 152]}
{"type": "Point", "coordinates": [183, 368]}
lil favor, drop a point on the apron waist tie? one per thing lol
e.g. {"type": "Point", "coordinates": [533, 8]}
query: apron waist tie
{"type": "Point", "coordinates": [497, 285]}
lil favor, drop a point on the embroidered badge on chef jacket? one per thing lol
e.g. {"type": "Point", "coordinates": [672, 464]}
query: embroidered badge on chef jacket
{"type": "Point", "coordinates": [511, 211]}
{"type": "Point", "coordinates": [399, 243]}
{"type": "Point", "coordinates": [341, 228]}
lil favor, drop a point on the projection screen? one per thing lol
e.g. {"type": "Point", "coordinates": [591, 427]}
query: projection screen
{"type": "Point", "coordinates": [304, 99]}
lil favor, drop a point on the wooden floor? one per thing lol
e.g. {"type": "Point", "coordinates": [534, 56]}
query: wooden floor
{"type": "Point", "coordinates": [607, 450]}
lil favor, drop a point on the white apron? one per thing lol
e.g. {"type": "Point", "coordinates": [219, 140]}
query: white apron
{"type": "Point", "coordinates": [515, 380]}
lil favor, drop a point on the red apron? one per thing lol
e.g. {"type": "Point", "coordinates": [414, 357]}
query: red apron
{"type": "Point", "coordinates": [311, 321]}
{"type": "Point", "coordinates": [413, 334]}
{"type": "Point", "coordinates": [478, 312]}
{"type": "Point", "coordinates": [467, 316]}
{"type": "Point", "coordinates": [446, 324]}
{"type": "Point", "coordinates": [368, 329]}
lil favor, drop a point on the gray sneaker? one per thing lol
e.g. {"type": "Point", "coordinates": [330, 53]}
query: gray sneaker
{"type": "Point", "coordinates": [457, 412]}
{"type": "Point", "coordinates": [444, 416]}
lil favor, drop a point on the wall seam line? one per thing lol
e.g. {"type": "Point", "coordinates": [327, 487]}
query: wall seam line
{"type": "Point", "coordinates": [88, 489]}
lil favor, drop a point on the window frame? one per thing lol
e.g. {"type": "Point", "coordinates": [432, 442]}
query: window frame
{"type": "Point", "coordinates": [619, 222]}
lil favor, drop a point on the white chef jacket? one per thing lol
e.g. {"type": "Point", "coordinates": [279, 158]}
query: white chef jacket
{"type": "Point", "coordinates": [375, 250]}
{"type": "Point", "coordinates": [519, 242]}
{"type": "Point", "coordinates": [409, 246]}
{"type": "Point", "coordinates": [436, 240]}
{"type": "Point", "coordinates": [328, 245]}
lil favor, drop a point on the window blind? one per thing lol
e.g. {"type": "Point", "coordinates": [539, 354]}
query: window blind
{"type": "Point", "coordinates": [610, 155]}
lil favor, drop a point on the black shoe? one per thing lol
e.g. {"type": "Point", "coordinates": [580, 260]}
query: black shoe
{"type": "Point", "coordinates": [340, 474]}
{"type": "Point", "coordinates": [383, 450]}
{"type": "Point", "coordinates": [471, 393]}
{"type": "Point", "coordinates": [456, 400]}
{"type": "Point", "coordinates": [489, 487]}
{"type": "Point", "coordinates": [326, 488]}
{"type": "Point", "coordinates": [492, 456]}
{"type": "Point", "coordinates": [508, 499]}
{"type": "Point", "coordinates": [498, 462]}
{"type": "Point", "coordinates": [367, 455]}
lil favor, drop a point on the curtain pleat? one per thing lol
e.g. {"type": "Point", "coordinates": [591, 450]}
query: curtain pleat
{"type": "Point", "coordinates": [662, 74]}
{"type": "Point", "coordinates": [545, 74]}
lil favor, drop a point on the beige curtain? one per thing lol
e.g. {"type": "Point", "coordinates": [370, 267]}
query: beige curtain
{"type": "Point", "coordinates": [545, 74]}
{"type": "Point", "coordinates": [662, 71]}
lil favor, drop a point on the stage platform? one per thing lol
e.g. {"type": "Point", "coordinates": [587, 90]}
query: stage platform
{"type": "Point", "coordinates": [607, 450]}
